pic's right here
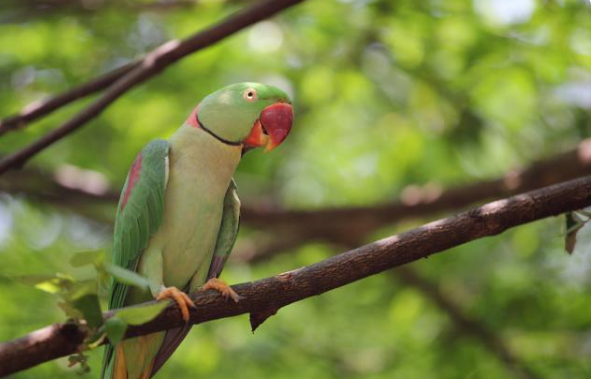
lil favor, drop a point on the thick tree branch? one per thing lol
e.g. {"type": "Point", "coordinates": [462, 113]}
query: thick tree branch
{"type": "Point", "coordinates": [151, 65]}
{"type": "Point", "coordinates": [273, 293]}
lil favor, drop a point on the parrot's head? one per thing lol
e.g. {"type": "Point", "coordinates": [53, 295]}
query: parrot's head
{"type": "Point", "coordinates": [250, 114]}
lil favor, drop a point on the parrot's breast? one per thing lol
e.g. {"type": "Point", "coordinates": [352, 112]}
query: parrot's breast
{"type": "Point", "coordinates": [200, 171]}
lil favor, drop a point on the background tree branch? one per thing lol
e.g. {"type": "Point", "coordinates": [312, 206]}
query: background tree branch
{"type": "Point", "coordinates": [466, 325]}
{"type": "Point", "coordinates": [330, 224]}
{"type": "Point", "coordinates": [463, 323]}
{"type": "Point", "coordinates": [42, 108]}
{"type": "Point", "coordinates": [151, 65]}
{"type": "Point", "coordinates": [25, 10]}
{"type": "Point", "coordinates": [270, 294]}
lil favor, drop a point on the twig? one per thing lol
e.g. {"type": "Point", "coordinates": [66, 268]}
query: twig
{"type": "Point", "coordinates": [271, 294]}
{"type": "Point", "coordinates": [151, 65]}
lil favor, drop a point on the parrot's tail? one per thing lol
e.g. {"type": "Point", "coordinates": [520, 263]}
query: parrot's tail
{"type": "Point", "coordinates": [134, 358]}
{"type": "Point", "coordinates": [173, 339]}
{"type": "Point", "coordinates": [119, 366]}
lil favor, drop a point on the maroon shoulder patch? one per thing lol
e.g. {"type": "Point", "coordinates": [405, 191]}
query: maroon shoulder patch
{"type": "Point", "coordinates": [192, 120]}
{"type": "Point", "coordinates": [134, 175]}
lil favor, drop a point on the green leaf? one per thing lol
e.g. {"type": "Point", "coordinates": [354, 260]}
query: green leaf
{"type": "Point", "coordinates": [61, 283]}
{"type": "Point", "coordinates": [32, 280]}
{"type": "Point", "coordinates": [81, 360]}
{"type": "Point", "coordinates": [69, 309]}
{"type": "Point", "coordinates": [127, 277]}
{"type": "Point", "coordinates": [80, 289]}
{"type": "Point", "coordinates": [142, 314]}
{"type": "Point", "coordinates": [90, 308]}
{"type": "Point", "coordinates": [87, 258]}
{"type": "Point", "coordinates": [115, 329]}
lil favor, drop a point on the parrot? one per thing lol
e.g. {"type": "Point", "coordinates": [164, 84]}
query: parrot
{"type": "Point", "coordinates": [178, 213]}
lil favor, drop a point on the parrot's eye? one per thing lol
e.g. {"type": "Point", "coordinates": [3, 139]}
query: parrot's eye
{"type": "Point", "coordinates": [250, 94]}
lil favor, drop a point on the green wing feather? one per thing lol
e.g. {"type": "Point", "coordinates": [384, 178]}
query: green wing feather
{"type": "Point", "coordinates": [139, 215]}
{"type": "Point", "coordinates": [228, 231]}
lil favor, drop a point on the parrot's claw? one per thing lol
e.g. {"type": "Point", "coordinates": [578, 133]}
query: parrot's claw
{"type": "Point", "coordinates": [181, 298]}
{"type": "Point", "coordinates": [220, 286]}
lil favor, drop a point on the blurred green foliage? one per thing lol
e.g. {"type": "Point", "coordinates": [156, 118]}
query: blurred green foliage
{"type": "Point", "coordinates": [387, 94]}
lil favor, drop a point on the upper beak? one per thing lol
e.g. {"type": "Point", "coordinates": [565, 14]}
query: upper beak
{"type": "Point", "coordinates": [272, 127]}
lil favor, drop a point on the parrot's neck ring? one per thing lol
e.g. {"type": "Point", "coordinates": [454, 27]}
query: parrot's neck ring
{"type": "Point", "coordinates": [222, 140]}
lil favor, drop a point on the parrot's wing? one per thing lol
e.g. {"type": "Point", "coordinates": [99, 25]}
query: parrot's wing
{"type": "Point", "coordinates": [139, 214]}
{"type": "Point", "coordinates": [140, 211]}
{"type": "Point", "coordinates": [228, 232]}
{"type": "Point", "coordinates": [225, 242]}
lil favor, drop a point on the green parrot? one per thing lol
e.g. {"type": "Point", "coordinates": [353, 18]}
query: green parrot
{"type": "Point", "coordinates": [178, 213]}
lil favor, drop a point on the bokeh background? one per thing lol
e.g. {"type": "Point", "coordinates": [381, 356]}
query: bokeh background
{"type": "Point", "coordinates": [388, 95]}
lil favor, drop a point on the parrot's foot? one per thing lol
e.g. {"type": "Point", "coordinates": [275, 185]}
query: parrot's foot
{"type": "Point", "coordinates": [220, 286]}
{"type": "Point", "coordinates": [181, 298]}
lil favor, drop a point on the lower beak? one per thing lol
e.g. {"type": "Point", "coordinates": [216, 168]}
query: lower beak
{"type": "Point", "coordinates": [272, 127]}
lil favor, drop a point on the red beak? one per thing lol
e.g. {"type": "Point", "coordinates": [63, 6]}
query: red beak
{"type": "Point", "coordinates": [272, 128]}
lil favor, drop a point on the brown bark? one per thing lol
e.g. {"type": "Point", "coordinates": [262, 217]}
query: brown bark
{"type": "Point", "coordinates": [270, 294]}
{"type": "Point", "coordinates": [151, 65]}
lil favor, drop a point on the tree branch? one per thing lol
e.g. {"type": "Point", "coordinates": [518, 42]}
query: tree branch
{"type": "Point", "coordinates": [275, 292]}
{"type": "Point", "coordinates": [356, 222]}
{"type": "Point", "coordinates": [42, 108]}
{"type": "Point", "coordinates": [152, 64]}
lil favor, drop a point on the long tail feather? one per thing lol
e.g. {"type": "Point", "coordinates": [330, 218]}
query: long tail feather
{"type": "Point", "coordinates": [173, 339]}
{"type": "Point", "coordinates": [147, 374]}
{"type": "Point", "coordinates": [119, 366]}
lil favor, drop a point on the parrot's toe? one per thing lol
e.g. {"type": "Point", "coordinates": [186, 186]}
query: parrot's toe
{"type": "Point", "coordinates": [220, 286]}
{"type": "Point", "coordinates": [181, 298]}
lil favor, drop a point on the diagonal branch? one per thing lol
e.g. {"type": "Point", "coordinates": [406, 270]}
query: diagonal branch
{"type": "Point", "coordinates": [152, 64]}
{"type": "Point", "coordinates": [42, 108]}
{"type": "Point", "coordinates": [273, 293]}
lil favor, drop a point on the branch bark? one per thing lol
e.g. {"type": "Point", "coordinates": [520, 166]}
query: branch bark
{"type": "Point", "coordinates": [152, 64]}
{"type": "Point", "coordinates": [273, 293]}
